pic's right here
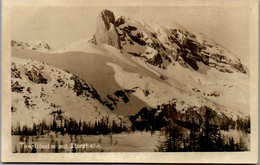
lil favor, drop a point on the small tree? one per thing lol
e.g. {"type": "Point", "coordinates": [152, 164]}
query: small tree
{"type": "Point", "coordinates": [34, 129]}
{"type": "Point", "coordinates": [56, 147]}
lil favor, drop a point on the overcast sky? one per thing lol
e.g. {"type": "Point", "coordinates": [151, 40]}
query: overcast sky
{"type": "Point", "coordinates": [59, 26]}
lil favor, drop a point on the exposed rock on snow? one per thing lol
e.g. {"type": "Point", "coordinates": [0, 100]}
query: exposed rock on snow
{"type": "Point", "coordinates": [41, 46]}
{"type": "Point", "coordinates": [16, 87]}
{"type": "Point", "coordinates": [15, 73]}
{"type": "Point", "coordinates": [35, 76]}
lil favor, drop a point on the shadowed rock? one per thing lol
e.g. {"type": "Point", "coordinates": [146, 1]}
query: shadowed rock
{"type": "Point", "coordinates": [16, 87]}
{"type": "Point", "coordinates": [35, 76]}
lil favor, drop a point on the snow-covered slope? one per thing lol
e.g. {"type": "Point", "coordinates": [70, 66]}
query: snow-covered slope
{"type": "Point", "coordinates": [195, 69]}
{"type": "Point", "coordinates": [140, 81]}
{"type": "Point", "coordinates": [39, 89]}
{"type": "Point", "coordinates": [79, 46]}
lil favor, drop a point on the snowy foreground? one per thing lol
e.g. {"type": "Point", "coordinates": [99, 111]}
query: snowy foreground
{"type": "Point", "coordinates": [124, 142]}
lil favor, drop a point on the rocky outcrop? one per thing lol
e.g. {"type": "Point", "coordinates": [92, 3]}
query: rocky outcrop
{"type": "Point", "coordinates": [128, 31]}
{"type": "Point", "coordinates": [239, 67]}
{"type": "Point", "coordinates": [15, 73]}
{"type": "Point", "coordinates": [41, 46]}
{"type": "Point", "coordinates": [192, 52]}
{"type": "Point", "coordinates": [35, 76]}
{"type": "Point", "coordinates": [79, 88]}
{"type": "Point", "coordinates": [106, 32]}
{"type": "Point", "coordinates": [122, 94]}
{"type": "Point", "coordinates": [156, 60]}
{"type": "Point", "coordinates": [119, 21]}
{"type": "Point", "coordinates": [82, 88]}
{"type": "Point", "coordinates": [224, 63]}
{"type": "Point", "coordinates": [16, 87]}
{"type": "Point", "coordinates": [44, 45]}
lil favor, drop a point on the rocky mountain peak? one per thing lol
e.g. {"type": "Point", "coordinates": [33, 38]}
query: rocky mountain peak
{"type": "Point", "coordinates": [162, 46]}
{"type": "Point", "coordinates": [106, 32]}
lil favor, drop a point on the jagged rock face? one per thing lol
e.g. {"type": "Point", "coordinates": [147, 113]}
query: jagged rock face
{"type": "Point", "coordinates": [106, 32]}
{"type": "Point", "coordinates": [161, 46]}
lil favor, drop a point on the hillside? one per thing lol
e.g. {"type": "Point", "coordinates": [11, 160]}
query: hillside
{"type": "Point", "coordinates": [40, 90]}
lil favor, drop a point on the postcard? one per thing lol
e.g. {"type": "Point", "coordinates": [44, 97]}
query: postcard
{"type": "Point", "coordinates": [121, 81]}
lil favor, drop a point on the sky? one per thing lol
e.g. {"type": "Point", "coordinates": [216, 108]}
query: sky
{"type": "Point", "coordinates": [60, 26]}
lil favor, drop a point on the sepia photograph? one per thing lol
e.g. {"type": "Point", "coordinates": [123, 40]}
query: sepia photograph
{"type": "Point", "coordinates": [130, 78]}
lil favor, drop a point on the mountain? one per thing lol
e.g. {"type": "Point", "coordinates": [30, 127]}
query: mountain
{"type": "Point", "coordinates": [162, 46]}
{"type": "Point", "coordinates": [133, 65]}
{"type": "Point", "coordinates": [40, 46]}
{"type": "Point", "coordinates": [195, 70]}
{"type": "Point", "coordinates": [39, 90]}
